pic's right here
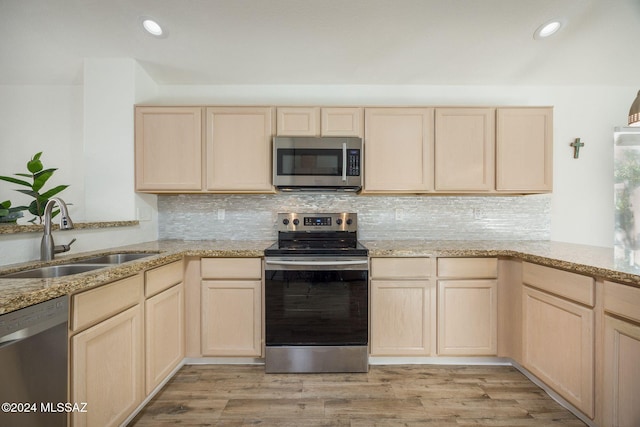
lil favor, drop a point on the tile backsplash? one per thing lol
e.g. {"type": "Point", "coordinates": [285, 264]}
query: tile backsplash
{"type": "Point", "coordinates": [253, 216]}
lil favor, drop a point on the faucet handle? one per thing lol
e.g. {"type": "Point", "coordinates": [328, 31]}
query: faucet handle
{"type": "Point", "coordinates": [67, 247]}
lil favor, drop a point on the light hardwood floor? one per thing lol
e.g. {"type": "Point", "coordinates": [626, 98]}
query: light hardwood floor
{"type": "Point", "coordinates": [405, 395]}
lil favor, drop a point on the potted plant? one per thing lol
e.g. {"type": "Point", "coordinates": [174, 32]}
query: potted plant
{"type": "Point", "coordinates": [8, 214]}
{"type": "Point", "coordinates": [36, 178]}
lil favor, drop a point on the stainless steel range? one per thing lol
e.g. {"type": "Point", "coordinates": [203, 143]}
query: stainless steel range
{"type": "Point", "coordinates": [316, 295]}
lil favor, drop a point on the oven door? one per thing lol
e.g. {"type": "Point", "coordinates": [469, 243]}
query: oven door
{"type": "Point", "coordinates": [307, 163]}
{"type": "Point", "coordinates": [316, 301]}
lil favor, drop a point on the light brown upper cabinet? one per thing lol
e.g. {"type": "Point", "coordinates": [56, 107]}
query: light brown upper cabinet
{"type": "Point", "coordinates": [464, 149]}
{"type": "Point", "coordinates": [524, 150]}
{"type": "Point", "coordinates": [342, 121]}
{"type": "Point", "coordinates": [168, 149]}
{"type": "Point", "coordinates": [398, 150]}
{"type": "Point", "coordinates": [239, 149]}
{"type": "Point", "coordinates": [316, 121]}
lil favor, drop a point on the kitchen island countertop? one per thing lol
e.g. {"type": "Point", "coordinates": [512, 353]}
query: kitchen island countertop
{"type": "Point", "coordinates": [590, 260]}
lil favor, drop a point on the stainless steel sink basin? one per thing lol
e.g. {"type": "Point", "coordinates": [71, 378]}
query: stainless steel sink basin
{"type": "Point", "coordinates": [52, 271]}
{"type": "Point", "coordinates": [115, 258]}
{"type": "Point", "coordinates": [76, 267]}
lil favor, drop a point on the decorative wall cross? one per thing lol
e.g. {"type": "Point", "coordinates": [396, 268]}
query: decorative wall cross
{"type": "Point", "coordinates": [576, 147]}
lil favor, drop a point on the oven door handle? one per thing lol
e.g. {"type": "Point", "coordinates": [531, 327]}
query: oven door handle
{"type": "Point", "coordinates": [313, 263]}
{"type": "Point", "coordinates": [344, 162]}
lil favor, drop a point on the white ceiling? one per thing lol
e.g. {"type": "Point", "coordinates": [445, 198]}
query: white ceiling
{"type": "Point", "coordinates": [431, 42]}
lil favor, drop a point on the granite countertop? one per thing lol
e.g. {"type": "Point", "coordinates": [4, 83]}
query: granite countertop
{"type": "Point", "coordinates": [589, 260]}
{"type": "Point", "coordinates": [594, 261]}
{"type": "Point", "coordinates": [20, 293]}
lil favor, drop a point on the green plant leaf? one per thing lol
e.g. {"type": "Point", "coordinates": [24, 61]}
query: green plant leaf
{"type": "Point", "coordinates": [55, 190]}
{"type": "Point", "coordinates": [6, 204]}
{"type": "Point", "coordinates": [15, 181]}
{"type": "Point", "coordinates": [31, 193]}
{"type": "Point", "coordinates": [41, 178]}
{"type": "Point", "coordinates": [27, 175]}
{"type": "Point", "coordinates": [33, 209]}
{"type": "Point", "coordinates": [18, 209]}
{"type": "Point", "coordinates": [4, 212]}
{"type": "Point", "coordinates": [34, 165]}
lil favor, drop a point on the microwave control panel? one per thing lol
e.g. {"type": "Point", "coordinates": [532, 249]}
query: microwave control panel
{"type": "Point", "coordinates": [353, 162]}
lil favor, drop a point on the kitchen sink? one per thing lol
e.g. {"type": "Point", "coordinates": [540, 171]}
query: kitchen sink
{"type": "Point", "coordinates": [115, 258]}
{"type": "Point", "coordinates": [76, 267]}
{"type": "Point", "coordinates": [52, 271]}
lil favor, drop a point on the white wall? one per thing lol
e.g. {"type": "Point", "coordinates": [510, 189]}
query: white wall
{"type": "Point", "coordinates": [47, 119]}
{"type": "Point", "coordinates": [87, 132]}
{"type": "Point", "coordinates": [582, 201]}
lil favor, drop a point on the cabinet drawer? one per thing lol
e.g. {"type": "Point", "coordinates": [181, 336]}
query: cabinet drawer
{"type": "Point", "coordinates": [569, 285]}
{"type": "Point", "coordinates": [622, 300]}
{"type": "Point", "coordinates": [477, 268]}
{"type": "Point", "coordinates": [161, 278]}
{"type": "Point", "coordinates": [400, 268]}
{"type": "Point", "coordinates": [231, 268]}
{"type": "Point", "coordinates": [97, 304]}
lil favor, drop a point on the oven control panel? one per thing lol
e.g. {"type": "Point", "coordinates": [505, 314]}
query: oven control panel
{"type": "Point", "coordinates": [318, 221]}
{"type": "Point", "coordinates": [344, 221]}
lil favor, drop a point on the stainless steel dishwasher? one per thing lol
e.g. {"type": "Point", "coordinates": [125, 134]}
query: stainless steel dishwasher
{"type": "Point", "coordinates": [33, 364]}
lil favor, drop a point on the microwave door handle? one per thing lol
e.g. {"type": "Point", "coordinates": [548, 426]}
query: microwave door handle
{"type": "Point", "coordinates": [344, 162]}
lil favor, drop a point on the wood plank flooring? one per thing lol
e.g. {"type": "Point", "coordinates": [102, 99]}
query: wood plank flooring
{"type": "Point", "coordinates": [404, 395]}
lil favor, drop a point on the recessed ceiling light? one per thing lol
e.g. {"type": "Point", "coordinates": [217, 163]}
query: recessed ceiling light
{"type": "Point", "coordinates": [548, 29]}
{"type": "Point", "coordinates": [152, 27]}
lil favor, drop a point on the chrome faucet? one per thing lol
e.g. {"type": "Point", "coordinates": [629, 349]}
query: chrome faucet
{"type": "Point", "coordinates": [47, 247]}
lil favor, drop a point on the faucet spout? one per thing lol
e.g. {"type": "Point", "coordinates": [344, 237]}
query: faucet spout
{"type": "Point", "coordinates": [47, 246]}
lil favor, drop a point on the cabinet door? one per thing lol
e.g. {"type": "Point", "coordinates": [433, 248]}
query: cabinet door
{"type": "Point", "coordinates": [621, 373]}
{"type": "Point", "coordinates": [164, 338]}
{"type": "Point", "coordinates": [400, 318]}
{"type": "Point", "coordinates": [465, 149]}
{"type": "Point", "coordinates": [168, 148]}
{"type": "Point", "coordinates": [398, 150]}
{"type": "Point", "coordinates": [467, 317]}
{"type": "Point", "coordinates": [342, 121]}
{"type": "Point", "coordinates": [239, 149]}
{"type": "Point", "coordinates": [298, 121]}
{"type": "Point", "coordinates": [107, 369]}
{"type": "Point", "coordinates": [232, 318]}
{"type": "Point", "coordinates": [524, 149]}
{"type": "Point", "coordinates": [558, 346]}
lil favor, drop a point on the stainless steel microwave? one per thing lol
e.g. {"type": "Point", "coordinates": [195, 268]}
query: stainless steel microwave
{"type": "Point", "coordinates": [317, 163]}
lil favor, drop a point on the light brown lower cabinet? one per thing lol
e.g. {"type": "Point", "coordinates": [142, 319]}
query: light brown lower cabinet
{"type": "Point", "coordinates": [164, 338]}
{"type": "Point", "coordinates": [558, 346]}
{"type": "Point", "coordinates": [467, 317]}
{"type": "Point", "coordinates": [400, 323]}
{"type": "Point", "coordinates": [232, 318]}
{"type": "Point", "coordinates": [621, 355]}
{"type": "Point", "coordinates": [467, 306]}
{"type": "Point", "coordinates": [402, 315]}
{"type": "Point", "coordinates": [107, 353]}
{"type": "Point", "coordinates": [231, 304]}
{"type": "Point", "coordinates": [621, 373]}
{"type": "Point", "coordinates": [164, 322]}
